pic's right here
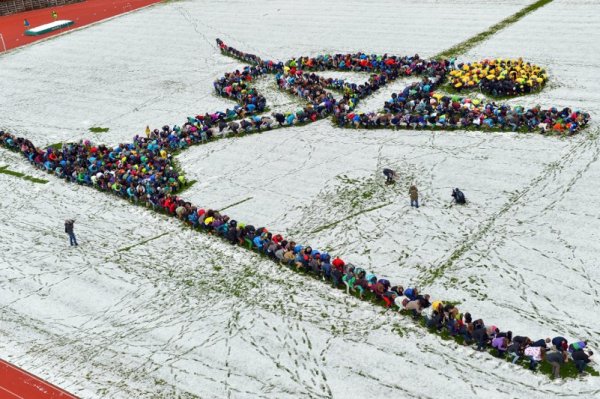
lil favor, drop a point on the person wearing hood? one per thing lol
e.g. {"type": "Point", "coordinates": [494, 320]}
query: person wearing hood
{"type": "Point", "coordinates": [414, 196]}
{"type": "Point", "coordinates": [459, 197]}
{"type": "Point", "coordinates": [69, 230]}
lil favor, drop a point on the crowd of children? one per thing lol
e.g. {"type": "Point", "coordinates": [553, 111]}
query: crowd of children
{"type": "Point", "coordinates": [499, 77]}
{"type": "Point", "coordinates": [418, 105]}
{"type": "Point", "coordinates": [144, 171]}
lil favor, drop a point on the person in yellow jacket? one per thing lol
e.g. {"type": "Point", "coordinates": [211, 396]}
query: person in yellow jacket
{"type": "Point", "coordinates": [438, 306]}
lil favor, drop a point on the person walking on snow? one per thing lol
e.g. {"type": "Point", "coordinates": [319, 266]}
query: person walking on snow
{"type": "Point", "coordinates": [414, 196]}
{"type": "Point", "coordinates": [390, 175]}
{"type": "Point", "coordinates": [69, 230]}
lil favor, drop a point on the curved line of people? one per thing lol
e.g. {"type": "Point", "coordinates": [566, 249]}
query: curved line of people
{"type": "Point", "coordinates": [295, 77]}
{"type": "Point", "coordinates": [143, 171]}
{"type": "Point", "coordinates": [418, 106]}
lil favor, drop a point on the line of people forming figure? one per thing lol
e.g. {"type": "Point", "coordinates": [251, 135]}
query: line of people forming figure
{"type": "Point", "coordinates": [418, 106]}
{"type": "Point", "coordinates": [144, 172]}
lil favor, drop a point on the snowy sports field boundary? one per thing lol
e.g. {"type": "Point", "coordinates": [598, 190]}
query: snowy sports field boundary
{"type": "Point", "coordinates": [468, 44]}
{"type": "Point", "coordinates": [295, 124]}
{"type": "Point", "coordinates": [255, 125]}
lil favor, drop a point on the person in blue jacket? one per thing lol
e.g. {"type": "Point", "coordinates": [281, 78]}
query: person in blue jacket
{"type": "Point", "coordinates": [411, 293]}
{"type": "Point", "coordinates": [560, 343]}
{"type": "Point", "coordinates": [258, 241]}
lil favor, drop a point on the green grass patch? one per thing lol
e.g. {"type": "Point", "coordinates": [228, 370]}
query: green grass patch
{"type": "Point", "coordinates": [324, 227]}
{"type": "Point", "coordinates": [468, 44]}
{"type": "Point", "coordinates": [4, 170]}
{"type": "Point", "coordinates": [177, 166]}
{"type": "Point", "coordinates": [97, 129]}
{"type": "Point", "coordinates": [142, 242]}
{"type": "Point", "coordinates": [188, 184]}
{"type": "Point", "coordinates": [56, 146]}
{"type": "Point", "coordinates": [235, 203]}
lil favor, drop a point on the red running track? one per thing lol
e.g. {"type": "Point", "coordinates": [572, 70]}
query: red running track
{"type": "Point", "coordinates": [12, 27]}
{"type": "Point", "coordinates": [16, 383]}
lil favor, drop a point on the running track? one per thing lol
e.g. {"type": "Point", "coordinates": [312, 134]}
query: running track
{"type": "Point", "coordinates": [16, 383]}
{"type": "Point", "coordinates": [85, 13]}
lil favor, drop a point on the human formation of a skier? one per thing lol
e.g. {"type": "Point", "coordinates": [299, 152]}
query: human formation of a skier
{"type": "Point", "coordinates": [143, 172]}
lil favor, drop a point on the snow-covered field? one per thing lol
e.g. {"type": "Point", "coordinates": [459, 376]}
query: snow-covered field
{"type": "Point", "coordinates": [186, 315]}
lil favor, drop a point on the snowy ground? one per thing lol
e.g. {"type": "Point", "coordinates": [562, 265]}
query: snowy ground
{"type": "Point", "coordinates": [184, 314]}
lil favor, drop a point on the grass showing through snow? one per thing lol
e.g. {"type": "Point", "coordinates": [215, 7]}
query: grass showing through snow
{"type": "Point", "coordinates": [4, 170]}
{"type": "Point", "coordinates": [468, 44]}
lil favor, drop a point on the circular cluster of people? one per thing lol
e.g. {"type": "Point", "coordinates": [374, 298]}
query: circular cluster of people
{"type": "Point", "coordinates": [144, 171]}
{"type": "Point", "coordinates": [418, 106]}
{"type": "Point", "coordinates": [499, 77]}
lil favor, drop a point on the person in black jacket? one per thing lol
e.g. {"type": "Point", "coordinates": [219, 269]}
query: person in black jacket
{"type": "Point", "coordinates": [459, 196]}
{"type": "Point", "coordinates": [542, 343]}
{"type": "Point", "coordinates": [390, 175]}
{"type": "Point", "coordinates": [515, 350]}
{"type": "Point", "coordinates": [581, 359]}
{"type": "Point", "coordinates": [481, 338]}
{"type": "Point", "coordinates": [69, 230]}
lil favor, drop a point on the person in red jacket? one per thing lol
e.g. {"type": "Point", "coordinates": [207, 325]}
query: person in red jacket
{"type": "Point", "coordinates": [337, 271]}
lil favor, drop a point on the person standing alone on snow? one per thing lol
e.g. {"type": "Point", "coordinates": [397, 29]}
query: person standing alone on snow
{"type": "Point", "coordinates": [414, 196]}
{"type": "Point", "coordinates": [69, 230]}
